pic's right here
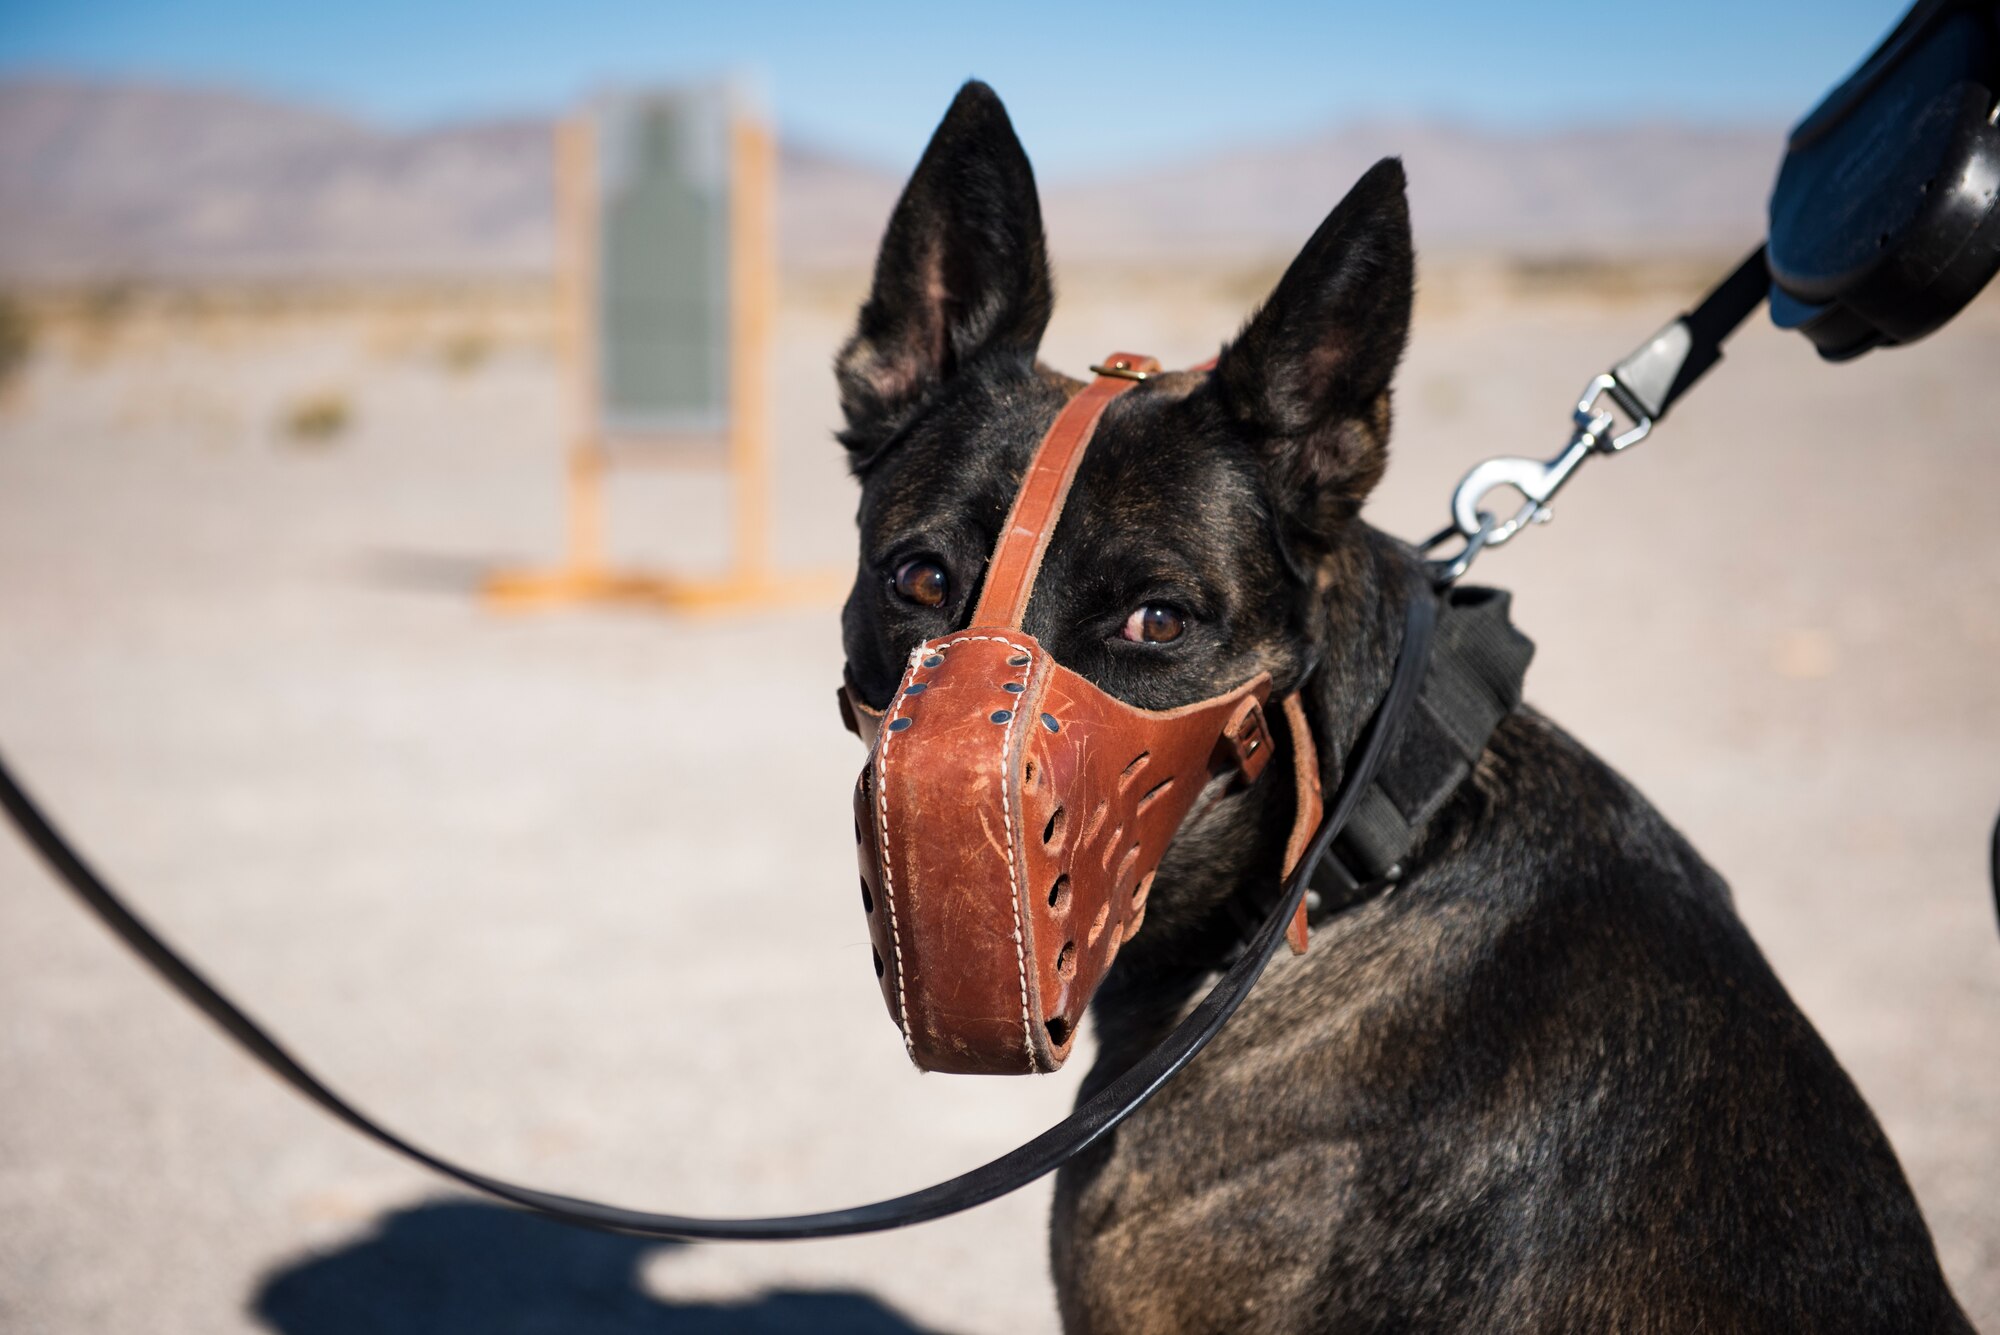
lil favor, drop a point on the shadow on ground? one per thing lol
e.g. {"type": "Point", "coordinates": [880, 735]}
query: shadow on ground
{"type": "Point", "coordinates": [464, 1267]}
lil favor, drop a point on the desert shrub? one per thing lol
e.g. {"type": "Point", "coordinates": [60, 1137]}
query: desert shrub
{"type": "Point", "coordinates": [318, 419]}
{"type": "Point", "coordinates": [17, 338]}
{"type": "Point", "coordinates": [466, 351]}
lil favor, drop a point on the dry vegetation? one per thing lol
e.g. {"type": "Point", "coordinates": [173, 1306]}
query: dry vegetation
{"type": "Point", "coordinates": [17, 339]}
{"type": "Point", "coordinates": [318, 419]}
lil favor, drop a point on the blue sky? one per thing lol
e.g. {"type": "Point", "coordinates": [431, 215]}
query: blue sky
{"type": "Point", "coordinates": [1086, 88]}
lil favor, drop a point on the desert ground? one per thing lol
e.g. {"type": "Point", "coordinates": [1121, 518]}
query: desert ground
{"type": "Point", "coordinates": [571, 894]}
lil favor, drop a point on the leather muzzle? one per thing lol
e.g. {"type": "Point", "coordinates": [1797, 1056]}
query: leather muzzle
{"type": "Point", "coordinates": [1012, 815]}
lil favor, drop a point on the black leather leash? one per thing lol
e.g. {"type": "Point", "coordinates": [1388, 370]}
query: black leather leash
{"type": "Point", "coordinates": [1040, 1156]}
{"type": "Point", "coordinates": [1993, 868]}
{"type": "Point", "coordinates": [1666, 365]}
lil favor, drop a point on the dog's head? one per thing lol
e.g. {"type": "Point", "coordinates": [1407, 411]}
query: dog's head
{"type": "Point", "coordinates": [1212, 530]}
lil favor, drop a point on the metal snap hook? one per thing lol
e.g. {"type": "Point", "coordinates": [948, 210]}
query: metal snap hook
{"type": "Point", "coordinates": [1537, 480]}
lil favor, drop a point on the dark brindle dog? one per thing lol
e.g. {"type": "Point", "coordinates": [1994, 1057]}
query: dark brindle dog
{"type": "Point", "coordinates": [1547, 1084]}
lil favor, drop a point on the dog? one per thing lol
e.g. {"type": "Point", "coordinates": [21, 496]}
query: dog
{"type": "Point", "coordinates": [1549, 1083]}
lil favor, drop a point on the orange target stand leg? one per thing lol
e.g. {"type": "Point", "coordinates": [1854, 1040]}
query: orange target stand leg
{"type": "Point", "coordinates": [750, 581]}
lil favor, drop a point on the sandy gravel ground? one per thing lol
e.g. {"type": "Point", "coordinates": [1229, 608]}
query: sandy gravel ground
{"type": "Point", "coordinates": [571, 895]}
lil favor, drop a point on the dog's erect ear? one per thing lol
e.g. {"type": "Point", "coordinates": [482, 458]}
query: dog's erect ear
{"type": "Point", "coordinates": [1309, 374]}
{"type": "Point", "coordinates": [963, 273]}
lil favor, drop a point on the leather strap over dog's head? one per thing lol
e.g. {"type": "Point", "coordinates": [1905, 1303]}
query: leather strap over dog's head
{"type": "Point", "coordinates": [1031, 520]}
{"type": "Point", "coordinates": [1012, 814]}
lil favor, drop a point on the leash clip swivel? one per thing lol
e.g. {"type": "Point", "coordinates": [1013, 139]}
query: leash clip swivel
{"type": "Point", "coordinates": [1537, 480]}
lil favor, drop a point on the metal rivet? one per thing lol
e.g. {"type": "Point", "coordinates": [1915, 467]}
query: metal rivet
{"type": "Point", "coordinates": [1002, 715]}
{"type": "Point", "coordinates": [935, 660]}
{"type": "Point", "coordinates": [1019, 660]}
{"type": "Point", "coordinates": [897, 725]}
{"type": "Point", "coordinates": [916, 688]}
{"type": "Point", "coordinates": [1049, 722]}
{"type": "Point", "coordinates": [1013, 688]}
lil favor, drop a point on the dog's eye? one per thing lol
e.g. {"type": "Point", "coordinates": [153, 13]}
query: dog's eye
{"type": "Point", "coordinates": [1154, 623]}
{"type": "Point", "coordinates": [923, 582]}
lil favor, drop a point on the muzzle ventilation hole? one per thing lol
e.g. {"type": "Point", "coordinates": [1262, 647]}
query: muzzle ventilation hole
{"type": "Point", "coordinates": [1052, 833]}
{"type": "Point", "coordinates": [1058, 1029]}
{"type": "Point", "coordinates": [1058, 894]}
{"type": "Point", "coordinates": [1131, 770]}
{"type": "Point", "coordinates": [1155, 791]}
{"type": "Point", "coordinates": [1019, 660]}
{"type": "Point", "coordinates": [867, 900]}
{"type": "Point", "coordinates": [1066, 961]}
{"type": "Point", "coordinates": [878, 960]}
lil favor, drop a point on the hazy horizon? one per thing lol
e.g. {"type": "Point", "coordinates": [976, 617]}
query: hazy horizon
{"type": "Point", "coordinates": [145, 178]}
{"type": "Point", "coordinates": [806, 140]}
{"type": "Point", "coordinates": [1121, 97]}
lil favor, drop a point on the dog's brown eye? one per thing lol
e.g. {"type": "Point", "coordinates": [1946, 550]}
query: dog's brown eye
{"type": "Point", "coordinates": [922, 582]}
{"type": "Point", "coordinates": [1155, 623]}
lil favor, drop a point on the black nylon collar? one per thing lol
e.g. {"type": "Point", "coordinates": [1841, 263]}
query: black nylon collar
{"type": "Point", "coordinates": [1477, 666]}
{"type": "Point", "coordinates": [1473, 680]}
{"type": "Point", "coordinates": [1478, 661]}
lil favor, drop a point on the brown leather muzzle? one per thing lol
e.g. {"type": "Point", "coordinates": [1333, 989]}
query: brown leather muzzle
{"type": "Point", "coordinates": [1012, 815]}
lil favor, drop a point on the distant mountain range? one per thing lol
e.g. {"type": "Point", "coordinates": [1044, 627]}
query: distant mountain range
{"type": "Point", "coordinates": [117, 180]}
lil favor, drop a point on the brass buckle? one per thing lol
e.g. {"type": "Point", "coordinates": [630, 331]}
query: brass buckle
{"type": "Point", "coordinates": [1123, 370]}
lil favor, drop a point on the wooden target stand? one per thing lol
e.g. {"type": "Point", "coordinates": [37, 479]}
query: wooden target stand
{"type": "Point", "coordinates": [750, 581]}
